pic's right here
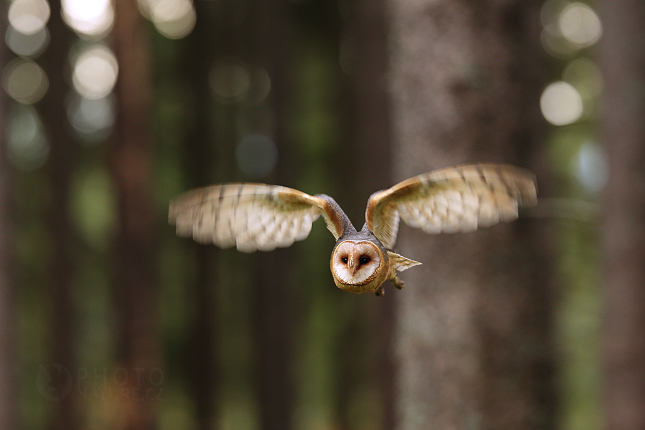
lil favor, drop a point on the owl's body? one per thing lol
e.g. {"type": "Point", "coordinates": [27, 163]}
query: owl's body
{"type": "Point", "coordinates": [263, 217]}
{"type": "Point", "coordinates": [359, 262]}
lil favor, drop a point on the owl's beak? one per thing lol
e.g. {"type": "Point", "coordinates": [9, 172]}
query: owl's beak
{"type": "Point", "coordinates": [352, 263]}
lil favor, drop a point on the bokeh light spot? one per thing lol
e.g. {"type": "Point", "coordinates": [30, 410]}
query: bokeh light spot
{"type": "Point", "coordinates": [174, 19]}
{"type": "Point", "coordinates": [145, 7]}
{"type": "Point", "coordinates": [95, 72]}
{"type": "Point", "coordinates": [93, 206]}
{"type": "Point", "coordinates": [93, 118]}
{"type": "Point", "coordinates": [591, 167]}
{"type": "Point", "coordinates": [25, 81]}
{"type": "Point", "coordinates": [582, 72]}
{"type": "Point", "coordinates": [260, 86]}
{"type": "Point", "coordinates": [91, 18]}
{"type": "Point", "coordinates": [29, 16]}
{"type": "Point", "coordinates": [179, 27]}
{"type": "Point", "coordinates": [28, 148]}
{"type": "Point", "coordinates": [257, 155]}
{"type": "Point", "coordinates": [27, 45]}
{"type": "Point", "coordinates": [230, 80]}
{"type": "Point", "coordinates": [561, 103]}
{"type": "Point", "coordinates": [555, 44]}
{"type": "Point", "coordinates": [168, 10]}
{"type": "Point", "coordinates": [580, 25]}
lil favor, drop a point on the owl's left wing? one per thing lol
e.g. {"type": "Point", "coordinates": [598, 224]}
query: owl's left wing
{"type": "Point", "coordinates": [250, 216]}
{"type": "Point", "coordinates": [451, 200]}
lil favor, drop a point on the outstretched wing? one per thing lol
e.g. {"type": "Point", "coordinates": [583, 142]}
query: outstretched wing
{"type": "Point", "coordinates": [250, 216]}
{"type": "Point", "coordinates": [456, 199]}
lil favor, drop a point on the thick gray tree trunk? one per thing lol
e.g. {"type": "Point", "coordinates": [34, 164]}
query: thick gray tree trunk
{"type": "Point", "coordinates": [623, 233]}
{"type": "Point", "coordinates": [473, 341]}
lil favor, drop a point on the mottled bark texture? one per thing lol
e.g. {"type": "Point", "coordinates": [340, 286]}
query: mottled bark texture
{"type": "Point", "coordinates": [622, 56]}
{"type": "Point", "coordinates": [473, 336]}
{"type": "Point", "coordinates": [135, 283]}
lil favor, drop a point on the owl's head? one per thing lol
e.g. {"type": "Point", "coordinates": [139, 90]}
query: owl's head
{"type": "Point", "coordinates": [358, 266]}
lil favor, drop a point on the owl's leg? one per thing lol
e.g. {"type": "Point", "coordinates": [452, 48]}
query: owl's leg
{"type": "Point", "coordinates": [380, 291]}
{"type": "Point", "coordinates": [397, 283]}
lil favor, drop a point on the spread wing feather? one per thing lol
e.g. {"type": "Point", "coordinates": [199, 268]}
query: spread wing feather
{"type": "Point", "coordinates": [456, 199]}
{"type": "Point", "coordinates": [250, 216]}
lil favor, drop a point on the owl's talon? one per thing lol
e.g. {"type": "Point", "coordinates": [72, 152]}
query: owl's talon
{"type": "Point", "coordinates": [398, 283]}
{"type": "Point", "coordinates": [380, 292]}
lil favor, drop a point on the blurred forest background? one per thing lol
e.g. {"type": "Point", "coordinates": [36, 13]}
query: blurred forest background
{"type": "Point", "coordinates": [111, 108]}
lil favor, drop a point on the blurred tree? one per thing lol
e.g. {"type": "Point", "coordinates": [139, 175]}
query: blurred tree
{"type": "Point", "coordinates": [367, 167]}
{"type": "Point", "coordinates": [8, 321]}
{"type": "Point", "coordinates": [622, 56]}
{"type": "Point", "coordinates": [473, 336]}
{"type": "Point", "coordinates": [60, 165]}
{"type": "Point", "coordinates": [273, 300]}
{"type": "Point", "coordinates": [198, 159]}
{"type": "Point", "coordinates": [135, 283]}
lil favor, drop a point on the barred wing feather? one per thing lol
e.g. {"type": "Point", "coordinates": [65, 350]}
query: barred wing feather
{"type": "Point", "coordinates": [249, 216]}
{"type": "Point", "coordinates": [456, 199]}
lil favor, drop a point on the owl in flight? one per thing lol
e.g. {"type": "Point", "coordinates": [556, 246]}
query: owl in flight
{"type": "Point", "coordinates": [263, 217]}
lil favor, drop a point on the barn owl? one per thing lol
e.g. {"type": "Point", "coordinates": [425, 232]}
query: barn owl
{"type": "Point", "coordinates": [263, 217]}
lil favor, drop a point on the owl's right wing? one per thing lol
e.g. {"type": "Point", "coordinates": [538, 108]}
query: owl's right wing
{"type": "Point", "coordinates": [450, 200]}
{"type": "Point", "coordinates": [250, 216]}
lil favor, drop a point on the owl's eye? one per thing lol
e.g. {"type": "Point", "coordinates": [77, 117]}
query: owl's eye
{"type": "Point", "coordinates": [364, 259]}
{"type": "Point", "coordinates": [344, 260]}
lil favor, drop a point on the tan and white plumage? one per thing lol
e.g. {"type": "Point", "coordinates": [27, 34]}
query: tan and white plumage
{"type": "Point", "coordinates": [264, 217]}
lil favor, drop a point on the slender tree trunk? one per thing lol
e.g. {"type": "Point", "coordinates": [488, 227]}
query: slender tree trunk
{"type": "Point", "coordinates": [135, 257]}
{"type": "Point", "coordinates": [623, 65]}
{"type": "Point", "coordinates": [199, 163]}
{"type": "Point", "coordinates": [274, 333]}
{"type": "Point", "coordinates": [368, 168]}
{"type": "Point", "coordinates": [273, 287]}
{"type": "Point", "coordinates": [59, 168]}
{"type": "Point", "coordinates": [473, 340]}
{"type": "Point", "coordinates": [8, 362]}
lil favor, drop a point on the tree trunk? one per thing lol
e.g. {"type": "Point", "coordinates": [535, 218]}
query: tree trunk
{"type": "Point", "coordinates": [135, 257]}
{"type": "Point", "coordinates": [59, 167]}
{"type": "Point", "coordinates": [623, 235]}
{"type": "Point", "coordinates": [368, 167]}
{"type": "Point", "coordinates": [202, 353]}
{"type": "Point", "coordinates": [275, 317]}
{"type": "Point", "coordinates": [473, 335]}
{"type": "Point", "coordinates": [8, 322]}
